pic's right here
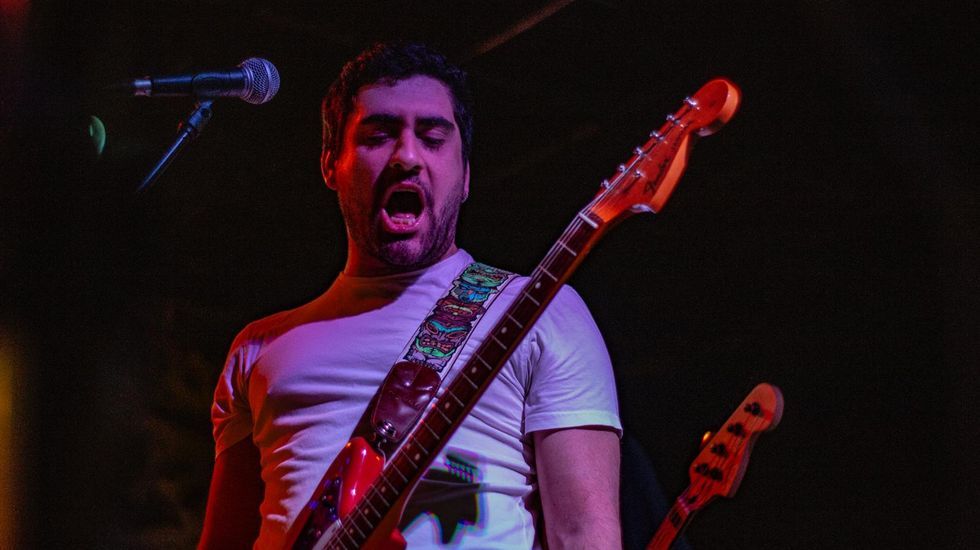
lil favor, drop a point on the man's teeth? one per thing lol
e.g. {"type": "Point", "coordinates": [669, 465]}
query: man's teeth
{"type": "Point", "coordinates": [403, 218]}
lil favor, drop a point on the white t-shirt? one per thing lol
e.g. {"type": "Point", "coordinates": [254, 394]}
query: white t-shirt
{"type": "Point", "coordinates": [298, 381]}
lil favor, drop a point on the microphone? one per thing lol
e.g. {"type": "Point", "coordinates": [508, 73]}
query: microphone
{"type": "Point", "coordinates": [255, 81]}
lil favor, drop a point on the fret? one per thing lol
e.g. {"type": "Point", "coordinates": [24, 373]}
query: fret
{"type": "Point", "coordinates": [448, 407]}
{"type": "Point", "coordinates": [561, 263]}
{"type": "Point", "coordinates": [366, 507]}
{"type": "Point", "coordinates": [567, 248]}
{"type": "Point", "coordinates": [580, 238]}
{"type": "Point", "coordinates": [526, 310]}
{"type": "Point", "coordinates": [528, 296]}
{"type": "Point", "coordinates": [355, 527]}
{"type": "Point", "coordinates": [480, 359]}
{"type": "Point", "coordinates": [360, 512]}
{"type": "Point", "coordinates": [350, 538]}
{"type": "Point", "coordinates": [462, 392]}
{"type": "Point", "coordinates": [548, 273]}
{"type": "Point", "coordinates": [453, 395]}
{"type": "Point", "coordinates": [412, 439]}
{"type": "Point", "coordinates": [443, 415]}
{"type": "Point", "coordinates": [394, 466]}
{"type": "Point", "coordinates": [394, 489]}
{"type": "Point", "coordinates": [588, 220]}
{"type": "Point", "coordinates": [434, 434]}
{"type": "Point", "coordinates": [540, 292]}
{"type": "Point", "coordinates": [467, 378]}
{"type": "Point", "coordinates": [375, 492]}
{"type": "Point", "coordinates": [410, 461]}
{"type": "Point", "coordinates": [499, 343]}
{"type": "Point", "coordinates": [515, 321]}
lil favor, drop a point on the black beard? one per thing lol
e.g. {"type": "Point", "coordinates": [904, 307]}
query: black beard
{"type": "Point", "coordinates": [395, 250]}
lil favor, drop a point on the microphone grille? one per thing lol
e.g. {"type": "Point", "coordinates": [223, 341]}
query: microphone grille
{"type": "Point", "coordinates": [263, 80]}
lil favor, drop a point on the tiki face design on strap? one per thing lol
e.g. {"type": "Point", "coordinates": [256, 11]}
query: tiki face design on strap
{"type": "Point", "coordinates": [438, 339]}
{"type": "Point", "coordinates": [452, 320]}
{"type": "Point", "coordinates": [451, 308]}
{"type": "Point", "coordinates": [485, 276]}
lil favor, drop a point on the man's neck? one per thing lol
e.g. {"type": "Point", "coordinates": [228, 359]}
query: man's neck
{"type": "Point", "coordinates": [365, 265]}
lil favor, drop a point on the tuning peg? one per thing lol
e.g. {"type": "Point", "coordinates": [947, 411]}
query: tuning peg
{"type": "Point", "coordinates": [737, 429]}
{"type": "Point", "coordinates": [676, 122]}
{"type": "Point", "coordinates": [706, 438]}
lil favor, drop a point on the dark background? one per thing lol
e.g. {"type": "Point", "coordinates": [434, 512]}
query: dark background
{"type": "Point", "coordinates": [824, 241]}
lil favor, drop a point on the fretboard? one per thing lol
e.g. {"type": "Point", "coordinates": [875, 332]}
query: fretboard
{"type": "Point", "coordinates": [421, 447]}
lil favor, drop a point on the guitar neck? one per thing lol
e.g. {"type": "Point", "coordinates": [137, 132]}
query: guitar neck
{"type": "Point", "coordinates": [421, 447]}
{"type": "Point", "coordinates": [673, 525]}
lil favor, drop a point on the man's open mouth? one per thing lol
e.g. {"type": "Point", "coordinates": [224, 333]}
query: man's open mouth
{"type": "Point", "coordinates": [402, 208]}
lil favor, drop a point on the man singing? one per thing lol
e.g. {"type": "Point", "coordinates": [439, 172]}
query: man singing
{"type": "Point", "coordinates": [535, 462]}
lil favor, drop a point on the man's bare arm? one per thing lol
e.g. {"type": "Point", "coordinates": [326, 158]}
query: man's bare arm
{"type": "Point", "coordinates": [232, 518]}
{"type": "Point", "coordinates": [578, 476]}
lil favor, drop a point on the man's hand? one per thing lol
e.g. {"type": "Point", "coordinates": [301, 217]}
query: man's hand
{"type": "Point", "coordinates": [232, 519]}
{"type": "Point", "coordinates": [578, 476]}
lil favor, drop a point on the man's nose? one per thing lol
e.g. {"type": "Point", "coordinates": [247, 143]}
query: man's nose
{"type": "Point", "coordinates": [406, 153]}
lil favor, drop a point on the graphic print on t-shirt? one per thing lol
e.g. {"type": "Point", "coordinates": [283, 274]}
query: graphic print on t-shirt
{"type": "Point", "coordinates": [448, 495]}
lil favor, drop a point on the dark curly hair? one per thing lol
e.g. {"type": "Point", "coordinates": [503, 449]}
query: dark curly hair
{"type": "Point", "coordinates": [390, 62]}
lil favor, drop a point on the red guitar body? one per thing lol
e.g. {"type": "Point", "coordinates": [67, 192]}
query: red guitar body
{"type": "Point", "coordinates": [350, 475]}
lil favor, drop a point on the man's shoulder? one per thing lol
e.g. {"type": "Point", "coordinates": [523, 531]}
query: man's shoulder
{"type": "Point", "coordinates": [262, 329]}
{"type": "Point", "coordinates": [269, 327]}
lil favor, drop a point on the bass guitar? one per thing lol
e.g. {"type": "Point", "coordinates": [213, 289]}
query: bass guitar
{"type": "Point", "coordinates": [720, 466]}
{"type": "Point", "coordinates": [358, 502]}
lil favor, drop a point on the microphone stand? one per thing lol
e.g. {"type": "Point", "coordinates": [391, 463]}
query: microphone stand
{"type": "Point", "coordinates": [189, 129]}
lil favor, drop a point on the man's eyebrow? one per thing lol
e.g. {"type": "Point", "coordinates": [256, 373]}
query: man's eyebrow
{"type": "Point", "coordinates": [388, 119]}
{"type": "Point", "coordinates": [379, 119]}
{"type": "Point", "coordinates": [436, 122]}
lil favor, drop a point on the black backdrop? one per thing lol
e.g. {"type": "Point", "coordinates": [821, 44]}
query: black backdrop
{"type": "Point", "coordinates": [823, 241]}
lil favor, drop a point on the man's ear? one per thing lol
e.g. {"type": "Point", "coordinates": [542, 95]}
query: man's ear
{"type": "Point", "coordinates": [326, 168]}
{"type": "Point", "coordinates": [466, 181]}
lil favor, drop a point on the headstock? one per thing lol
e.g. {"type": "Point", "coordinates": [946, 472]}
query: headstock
{"type": "Point", "coordinates": [719, 467]}
{"type": "Point", "coordinates": [646, 180]}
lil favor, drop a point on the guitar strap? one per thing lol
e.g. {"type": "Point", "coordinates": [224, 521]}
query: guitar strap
{"type": "Point", "coordinates": [414, 379]}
